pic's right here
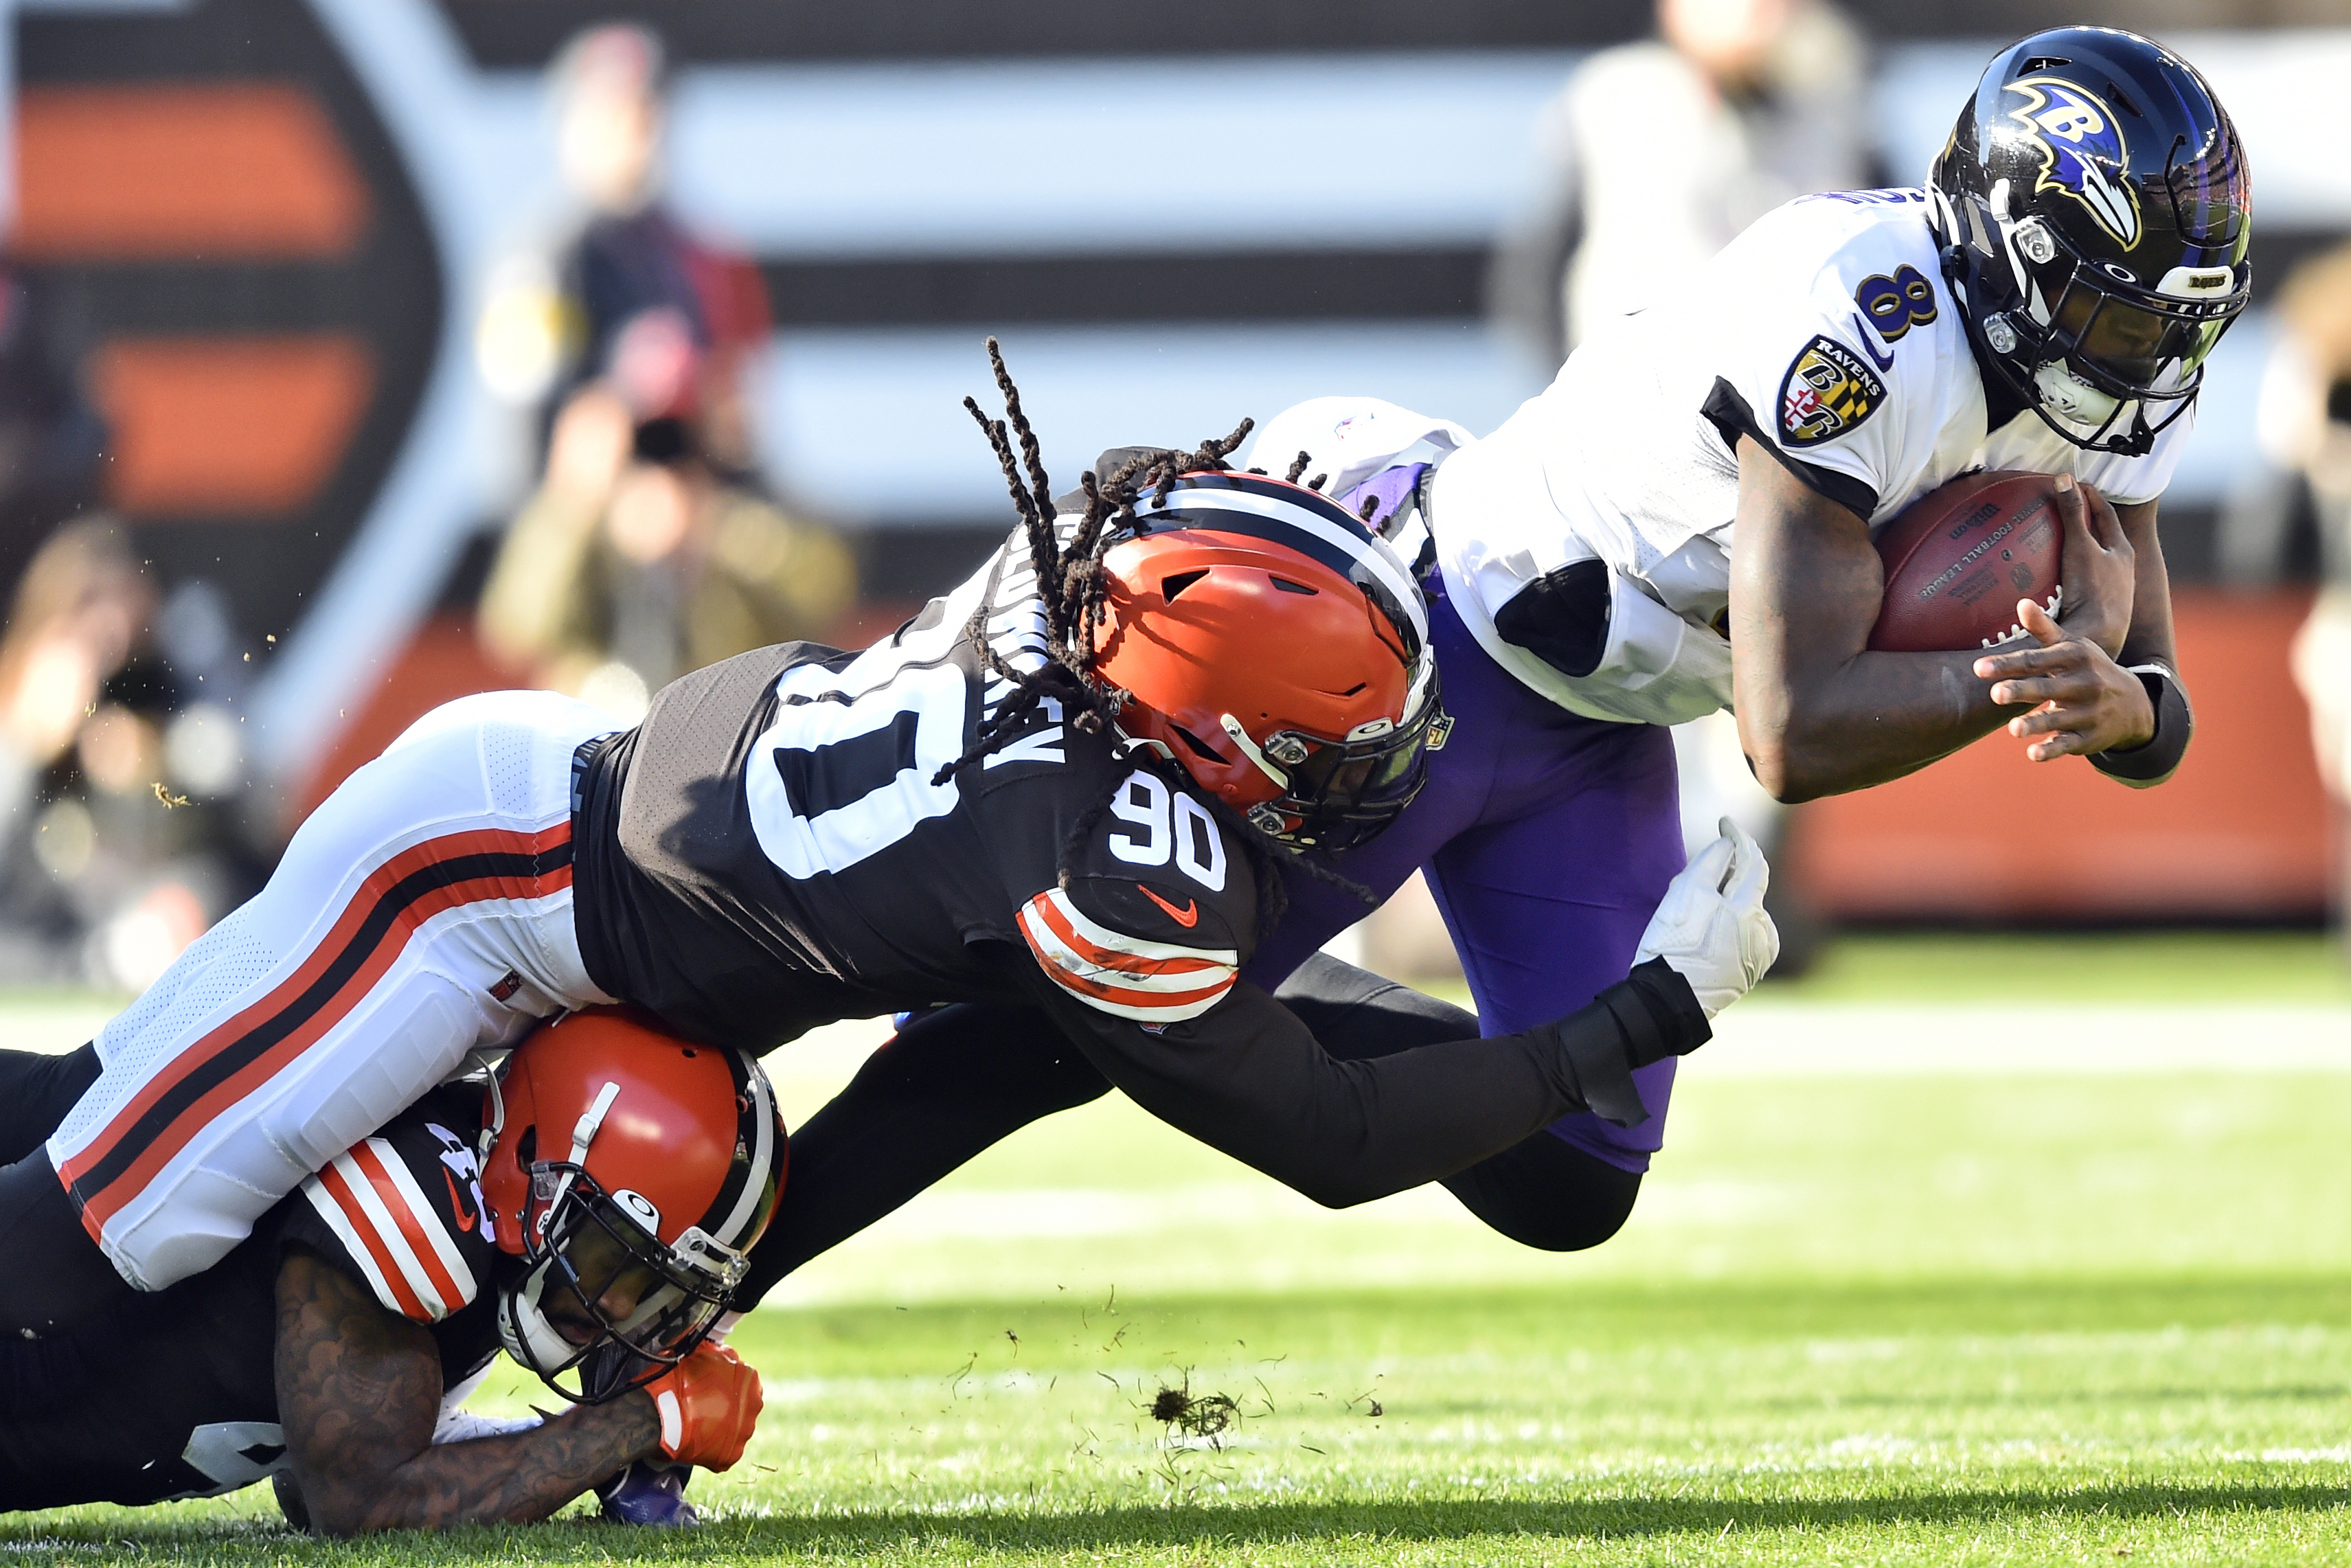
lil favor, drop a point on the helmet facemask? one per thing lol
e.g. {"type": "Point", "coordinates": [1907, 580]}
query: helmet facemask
{"type": "Point", "coordinates": [600, 1295]}
{"type": "Point", "coordinates": [1339, 792]}
{"type": "Point", "coordinates": [624, 1252]}
{"type": "Point", "coordinates": [2105, 360]}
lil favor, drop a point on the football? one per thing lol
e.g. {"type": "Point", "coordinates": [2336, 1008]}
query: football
{"type": "Point", "coordinates": [1957, 558]}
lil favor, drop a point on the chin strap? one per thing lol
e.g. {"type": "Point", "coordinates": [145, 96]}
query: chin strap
{"type": "Point", "coordinates": [583, 1132]}
{"type": "Point", "coordinates": [591, 1121]}
{"type": "Point", "coordinates": [1249, 749]}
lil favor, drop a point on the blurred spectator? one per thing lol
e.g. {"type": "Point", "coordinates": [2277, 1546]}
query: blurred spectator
{"type": "Point", "coordinates": [619, 289]}
{"type": "Point", "coordinates": [2299, 524]}
{"type": "Point", "coordinates": [51, 439]}
{"type": "Point", "coordinates": [648, 549]}
{"type": "Point", "coordinates": [1659, 152]}
{"type": "Point", "coordinates": [635, 563]}
{"type": "Point", "coordinates": [118, 755]}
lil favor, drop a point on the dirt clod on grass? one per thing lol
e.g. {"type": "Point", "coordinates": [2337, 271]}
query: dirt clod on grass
{"type": "Point", "coordinates": [1208, 1415]}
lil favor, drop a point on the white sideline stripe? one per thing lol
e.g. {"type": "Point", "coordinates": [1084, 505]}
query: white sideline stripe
{"type": "Point", "coordinates": [1373, 148]}
{"type": "Point", "coordinates": [1766, 1037]}
{"type": "Point", "coordinates": [331, 1209]}
{"type": "Point", "coordinates": [870, 424]}
{"type": "Point", "coordinates": [1101, 935]}
{"type": "Point", "coordinates": [428, 1219]}
{"type": "Point", "coordinates": [387, 1229]}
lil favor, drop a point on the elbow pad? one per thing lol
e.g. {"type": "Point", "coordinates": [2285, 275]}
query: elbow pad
{"type": "Point", "coordinates": [1648, 1016]}
{"type": "Point", "coordinates": [2151, 764]}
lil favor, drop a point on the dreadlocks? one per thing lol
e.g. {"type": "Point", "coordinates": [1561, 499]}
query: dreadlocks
{"type": "Point", "coordinates": [1074, 592]}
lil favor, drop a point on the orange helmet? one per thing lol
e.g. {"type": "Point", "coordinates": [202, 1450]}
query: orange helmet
{"type": "Point", "coordinates": [631, 1171]}
{"type": "Point", "coordinates": [1277, 649]}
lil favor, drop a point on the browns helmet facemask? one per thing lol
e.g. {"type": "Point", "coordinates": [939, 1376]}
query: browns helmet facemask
{"type": "Point", "coordinates": [630, 1171]}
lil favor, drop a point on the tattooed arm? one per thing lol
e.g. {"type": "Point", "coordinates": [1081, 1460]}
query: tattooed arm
{"type": "Point", "coordinates": [359, 1390]}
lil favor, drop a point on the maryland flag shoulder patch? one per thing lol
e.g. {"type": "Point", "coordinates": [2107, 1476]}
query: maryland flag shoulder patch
{"type": "Point", "coordinates": [1827, 393]}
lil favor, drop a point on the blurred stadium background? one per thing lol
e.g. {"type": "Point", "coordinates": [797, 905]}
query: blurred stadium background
{"type": "Point", "coordinates": [268, 230]}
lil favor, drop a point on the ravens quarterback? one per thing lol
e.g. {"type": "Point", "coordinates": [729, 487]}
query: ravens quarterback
{"type": "Point", "coordinates": [1074, 785]}
{"type": "Point", "coordinates": [590, 1212]}
{"type": "Point", "coordinates": [1682, 523]}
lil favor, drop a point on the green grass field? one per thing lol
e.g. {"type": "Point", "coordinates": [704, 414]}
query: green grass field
{"type": "Point", "coordinates": [1952, 1283]}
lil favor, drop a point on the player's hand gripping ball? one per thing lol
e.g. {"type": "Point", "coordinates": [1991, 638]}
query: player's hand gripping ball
{"type": "Point", "coordinates": [1958, 558]}
{"type": "Point", "coordinates": [1711, 926]}
{"type": "Point", "coordinates": [709, 1405]}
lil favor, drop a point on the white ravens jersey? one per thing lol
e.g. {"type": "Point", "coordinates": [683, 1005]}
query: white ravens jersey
{"type": "Point", "coordinates": [1826, 333]}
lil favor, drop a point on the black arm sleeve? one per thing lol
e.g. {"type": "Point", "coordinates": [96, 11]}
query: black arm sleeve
{"type": "Point", "coordinates": [36, 1090]}
{"type": "Point", "coordinates": [1247, 1078]}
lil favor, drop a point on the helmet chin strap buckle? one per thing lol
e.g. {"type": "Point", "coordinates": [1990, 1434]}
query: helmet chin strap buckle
{"type": "Point", "coordinates": [583, 1131]}
{"type": "Point", "coordinates": [1249, 749]}
{"type": "Point", "coordinates": [2074, 398]}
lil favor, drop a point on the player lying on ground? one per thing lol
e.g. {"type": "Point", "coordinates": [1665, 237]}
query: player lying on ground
{"type": "Point", "coordinates": [336, 1344]}
{"type": "Point", "coordinates": [1685, 515]}
{"type": "Point", "coordinates": [1069, 785]}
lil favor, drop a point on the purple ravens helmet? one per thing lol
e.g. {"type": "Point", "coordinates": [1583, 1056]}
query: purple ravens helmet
{"type": "Point", "coordinates": [2094, 209]}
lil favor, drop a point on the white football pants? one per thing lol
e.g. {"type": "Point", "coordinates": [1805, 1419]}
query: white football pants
{"type": "Point", "coordinates": [421, 913]}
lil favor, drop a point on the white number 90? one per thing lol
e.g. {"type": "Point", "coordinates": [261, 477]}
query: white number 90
{"type": "Point", "coordinates": [1165, 824]}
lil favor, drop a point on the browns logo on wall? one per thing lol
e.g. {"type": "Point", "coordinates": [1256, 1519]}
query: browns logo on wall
{"type": "Point", "coordinates": [210, 195]}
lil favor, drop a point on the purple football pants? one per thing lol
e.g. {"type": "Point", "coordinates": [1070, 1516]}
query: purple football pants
{"type": "Point", "coordinates": [1548, 838]}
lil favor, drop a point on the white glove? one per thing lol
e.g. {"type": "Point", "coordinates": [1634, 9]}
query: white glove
{"type": "Point", "coordinates": [1711, 928]}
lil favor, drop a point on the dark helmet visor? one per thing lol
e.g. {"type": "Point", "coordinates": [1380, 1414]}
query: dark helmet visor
{"type": "Point", "coordinates": [2137, 347]}
{"type": "Point", "coordinates": [1346, 792]}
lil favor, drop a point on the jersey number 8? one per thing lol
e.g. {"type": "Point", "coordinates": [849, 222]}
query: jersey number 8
{"type": "Point", "coordinates": [1895, 305]}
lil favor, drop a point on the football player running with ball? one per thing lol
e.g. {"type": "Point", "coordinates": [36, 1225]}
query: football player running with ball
{"type": "Point", "coordinates": [1683, 523]}
{"type": "Point", "coordinates": [1070, 788]}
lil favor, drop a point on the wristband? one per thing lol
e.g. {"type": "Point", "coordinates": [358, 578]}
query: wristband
{"type": "Point", "coordinates": [1656, 1016]}
{"type": "Point", "coordinates": [1682, 1022]}
{"type": "Point", "coordinates": [2174, 721]}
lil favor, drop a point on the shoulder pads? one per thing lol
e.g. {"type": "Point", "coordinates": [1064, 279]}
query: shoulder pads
{"type": "Point", "coordinates": [403, 1212]}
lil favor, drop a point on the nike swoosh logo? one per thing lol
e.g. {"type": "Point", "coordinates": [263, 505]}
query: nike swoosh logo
{"type": "Point", "coordinates": [1187, 916]}
{"type": "Point", "coordinates": [1862, 333]}
{"type": "Point", "coordinates": [457, 1203]}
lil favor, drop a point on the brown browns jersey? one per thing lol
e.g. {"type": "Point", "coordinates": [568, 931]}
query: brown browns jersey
{"type": "Point", "coordinates": [773, 848]}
